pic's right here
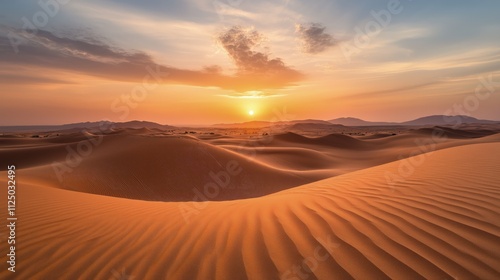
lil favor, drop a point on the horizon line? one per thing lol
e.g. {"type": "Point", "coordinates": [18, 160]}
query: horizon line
{"type": "Point", "coordinates": [230, 123]}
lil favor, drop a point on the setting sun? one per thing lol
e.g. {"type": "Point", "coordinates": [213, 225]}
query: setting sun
{"type": "Point", "coordinates": [251, 112]}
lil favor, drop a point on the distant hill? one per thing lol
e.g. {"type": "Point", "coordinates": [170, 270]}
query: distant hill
{"type": "Point", "coordinates": [447, 120]}
{"type": "Point", "coordinates": [261, 124]}
{"type": "Point", "coordinates": [349, 121]}
{"type": "Point", "coordinates": [306, 121]}
{"type": "Point", "coordinates": [314, 126]}
{"type": "Point", "coordinates": [429, 120]}
{"type": "Point", "coordinates": [436, 120]}
{"type": "Point", "coordinates": [358, 122]}
{"type": "Point", "coordinates": [85, 125]}
{"type": "Point", "coordinates": [252, 124]}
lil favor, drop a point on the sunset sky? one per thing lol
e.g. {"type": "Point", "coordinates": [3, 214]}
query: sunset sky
{"type": "Point", "coordinates": [205, 61]}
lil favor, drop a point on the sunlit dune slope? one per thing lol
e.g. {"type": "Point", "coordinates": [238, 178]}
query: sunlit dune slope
{"type": "Point", "coordinates": [440, 221]}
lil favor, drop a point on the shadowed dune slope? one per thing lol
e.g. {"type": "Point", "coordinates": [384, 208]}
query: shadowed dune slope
{"type": "Point", "coordinates": [441, 221]}
{"type": "Point", "coordinates": [151, 168]}
{"type": "Point", "coordinates": [454, 133]}
{"type": "Point", "coordinates": [181, 168]}
{"type": "Point", "coordinates": [331, 140]}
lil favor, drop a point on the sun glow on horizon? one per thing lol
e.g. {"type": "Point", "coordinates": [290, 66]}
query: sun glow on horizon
{"type": "Point", "coordinates": [251, 112]}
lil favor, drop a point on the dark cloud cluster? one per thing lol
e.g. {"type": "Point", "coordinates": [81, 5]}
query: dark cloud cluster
{"type": "Point", "coordinates": [254, 66]}
{"type": "Point", "coordinates": [239, 44]}
{"type": "Point", "coordinates": [45, 51]}
{"type": "Point", "coordinates": [314, 38]}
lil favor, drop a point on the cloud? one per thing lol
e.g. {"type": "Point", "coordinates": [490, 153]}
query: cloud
{"type": "Point", "coordinates": [314, 38]}
{"type": "Point", "coordinates": [253, 66]}
{"type": "Point", "coordinates": [16, 79]}
{"type": "Point", "coordinates": [45, 50]}
{"type": "Point", "coordinates": [239, 44]}
{"type": "Point", "coordinates": [214, 69]}
{"type": "Point", "coordinates": [253, 94]}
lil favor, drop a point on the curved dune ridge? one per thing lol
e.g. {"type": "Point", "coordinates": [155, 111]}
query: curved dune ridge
{"type": "Point", "coordinates": [150, 168]}
{"type": "Point", "coordinates": [439, 221]}
{"type": "Point", "coordinates": [333, 140]}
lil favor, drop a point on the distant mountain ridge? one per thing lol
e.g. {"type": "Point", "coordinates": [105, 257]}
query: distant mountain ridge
{"type": "Point", "coordinates": [349, 121]}
{"type": "Point", "coordinates": [259, 124]}
{"type": "Point", "coordinates": [428, 120]}
{"type": "Point", "coordinates": [435, 120]}
{"type": "Point", "coordinates": [447, 120]}
{"type": "Point", "coordinates": [85, 125]}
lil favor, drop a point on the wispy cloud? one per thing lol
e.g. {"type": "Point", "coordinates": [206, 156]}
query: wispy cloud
{"type": "Point", "coordinates": [253, 94]}
{"type": "Point", "coordinates": [91, 56]}
{"type": "Point", "coordinates": [26, 79]}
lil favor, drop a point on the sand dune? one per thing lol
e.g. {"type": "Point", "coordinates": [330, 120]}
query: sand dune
{"type": "Point", "coordinates": [150, 168]}
{"type": "Point", "coordinates": [332, 140]}
{"type": "Point", "coordinates": [376, 136]}
{"type": "Point", "coordinates": [442, 222]}
{"type": "Point", "coordinates": [338, 154]}
{"type": "Point", "coordinates": [455, 133]}
{"type": "Point", "coordinates": [145, 164]}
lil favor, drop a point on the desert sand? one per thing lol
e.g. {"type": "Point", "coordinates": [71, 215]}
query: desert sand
{"type": "Point", "coordinates": [378, 205]}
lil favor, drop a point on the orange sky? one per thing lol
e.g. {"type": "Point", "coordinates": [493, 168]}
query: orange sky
{"type": "Point", "coordinates": [194, 63]}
